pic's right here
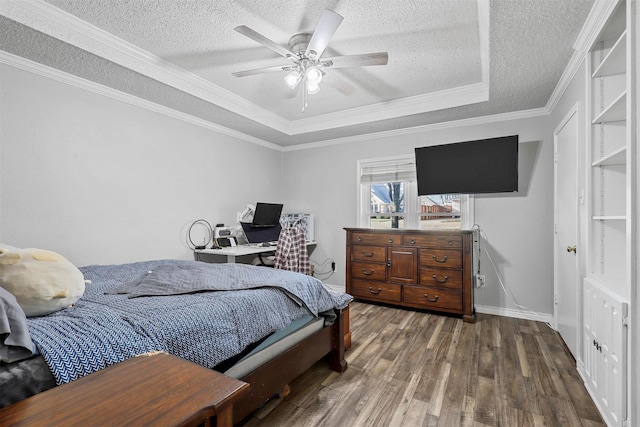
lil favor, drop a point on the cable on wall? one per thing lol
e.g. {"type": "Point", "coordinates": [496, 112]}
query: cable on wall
{"type": "Point", "coordinates": [208, 234]}
{"type": "Point", "coordinates": [502, 283]}
{"type": "Point", "coordinates": [323, 270]}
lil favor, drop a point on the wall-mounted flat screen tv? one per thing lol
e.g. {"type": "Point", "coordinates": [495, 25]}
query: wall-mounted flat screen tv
{"type": "Point", "coordinates": [481, 166]}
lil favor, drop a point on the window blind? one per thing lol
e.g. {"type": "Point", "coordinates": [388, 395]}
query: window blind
{"type": "Point", "coordinates": [388, 172]}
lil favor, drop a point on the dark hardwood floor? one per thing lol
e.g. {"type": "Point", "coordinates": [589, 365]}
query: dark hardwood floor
{"type": "Point", "coordinates": [409, 368]}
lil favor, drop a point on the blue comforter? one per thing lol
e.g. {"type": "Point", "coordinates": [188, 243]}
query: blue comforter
{"type": "Point", "coordinates": [135, 308]}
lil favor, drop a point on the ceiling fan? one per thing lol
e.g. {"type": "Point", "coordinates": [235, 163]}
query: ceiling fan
{"type": "Point", "coordinates": [306, 65]}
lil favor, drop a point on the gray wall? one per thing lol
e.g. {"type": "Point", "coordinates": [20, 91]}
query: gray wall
{"type": "Point", "coordinates": [518, 228]}
{"type": "Point", "coordinates": [102, 181]}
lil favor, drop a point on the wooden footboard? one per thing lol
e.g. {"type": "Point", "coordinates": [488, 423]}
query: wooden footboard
{"type": "Point", "coordinates": [269, 379]}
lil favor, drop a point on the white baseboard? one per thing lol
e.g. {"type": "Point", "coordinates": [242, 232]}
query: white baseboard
{"type": "Point", "coordinates": [496, 311]}
{"type": "Point", "coordinates": [337, 288]}
{"type": "Point", "coordinates": [507, 312]}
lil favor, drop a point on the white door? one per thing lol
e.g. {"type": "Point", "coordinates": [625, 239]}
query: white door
{"type": "Point", "coordinates": [566, 230]}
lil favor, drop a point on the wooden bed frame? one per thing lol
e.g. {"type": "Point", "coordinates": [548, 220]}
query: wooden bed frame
{"type": "Point", "coordinates": [269, 379]}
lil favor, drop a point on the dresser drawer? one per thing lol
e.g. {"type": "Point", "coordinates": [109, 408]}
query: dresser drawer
{"type": "Point", "coordinates": [373, 291]}
{"type": "Point", "coordinates": [368, 253]}
{"type": "Point", "coordinates": [440, 258]}
{"type": "Point", "coordinates": [432, 298]}
{"type": "Point", "coordinates": [441, 278]}
{"type": "Point", "coordinates": [376, 239]}
{"type": "Point", "coordinates": [369, 271]}
{"type": "Point", "coordinates": [444, 241]}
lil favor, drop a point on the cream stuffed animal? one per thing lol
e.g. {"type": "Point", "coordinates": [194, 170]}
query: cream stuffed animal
{"type": "Point", "coordinates": [42, 281]}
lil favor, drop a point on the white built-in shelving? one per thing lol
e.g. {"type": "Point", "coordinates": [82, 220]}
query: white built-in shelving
{"type": "Point", "coordinates": [611, 195]}
{"type": "Point", "coordinates": [609, 152]}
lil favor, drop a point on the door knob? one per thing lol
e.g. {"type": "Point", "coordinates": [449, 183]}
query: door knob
{"type": "Point", "coordinates": [571, 249]}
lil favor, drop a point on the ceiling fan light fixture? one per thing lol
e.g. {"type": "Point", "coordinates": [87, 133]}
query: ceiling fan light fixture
{"type": "Point", "coordinates": [314, 76]}
{"type": "Point", "coordinates": [312, 89]}
{"type": "Point", "coordinates": [292, 79]}
{"type": "Point", "coordinates": [304, 52]}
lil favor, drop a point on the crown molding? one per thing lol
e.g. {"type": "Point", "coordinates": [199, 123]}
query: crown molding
{"type": "Point", "coordinates": [474, 121]}
{"type": "Point", "coordinates": [598, 16]}
{"type": "Point", "coordinates": [575, 63]}
{"type": "Point", "coordinates": [57, 23]}
{"type": "Point", "coordinates": [450, 98]}
{"type": "Point", "coordinates": [72, 80]}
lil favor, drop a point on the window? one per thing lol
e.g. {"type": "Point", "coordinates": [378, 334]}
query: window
{"type": "Point", "coordinates": [388, 198]}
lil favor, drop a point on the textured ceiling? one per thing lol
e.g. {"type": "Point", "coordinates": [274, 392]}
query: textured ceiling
{"type": "Point", "coordinates": [448, 59]}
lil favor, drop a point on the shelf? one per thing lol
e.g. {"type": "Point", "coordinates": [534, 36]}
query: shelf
{"type": "Point", "coordinates": [609, 217]}
{"type": "Point", "coordinates": [617, 157]}
{"type": "Point", "coordinates": [616, 112]}
{"type": "Point", "coordinates": [615, 61]}
{"type": "Point", "coordinates": [616, 25]}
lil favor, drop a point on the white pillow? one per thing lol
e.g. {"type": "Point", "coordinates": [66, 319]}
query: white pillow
{"type": "Point", "coordinates": [9, 247]}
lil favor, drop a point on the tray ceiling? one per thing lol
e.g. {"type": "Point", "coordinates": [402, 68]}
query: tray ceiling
{"type": "Point", "coordinates": [448, 60]}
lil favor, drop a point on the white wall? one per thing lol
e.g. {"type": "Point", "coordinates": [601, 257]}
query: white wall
{"type": "Point", "coordinates": [102, 181]}
{"type": "Point", "coordinates": [518, 227]}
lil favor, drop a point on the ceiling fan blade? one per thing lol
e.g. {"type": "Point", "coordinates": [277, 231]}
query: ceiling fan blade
{"type": "Point", "coordinates": [246, 31]}
{"type": "Point", "coordinates": [338, 84]}
{"type": "Point", "coordinates": [326, 28]}
{"type": "Point", "coordinates": [262, 70]}
{"type": "Point", "coordinates": [378, 58]}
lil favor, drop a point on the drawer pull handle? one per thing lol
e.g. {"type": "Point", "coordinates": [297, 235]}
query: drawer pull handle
{"type": "Point", "coordinates": [431, 299]}
{"type": "Point", "coordinates": [367, 254]}
{"type": "Point", "coordinates": [438, 280]}
{"type": "Point", "coordinates": [413, 241]}
{"type": "Point", "coordinates": [450, 242]}
{"type": "Point", "coordinates": [390, 240]}
{"type": "Point", "coordinates": [440, 260]}
{"type": "Point", "coordinates": [374, 292]}
{"type": "Point", "coordinates": [359, 238]}
{"type": "Point", "coordinates": [367, 273]}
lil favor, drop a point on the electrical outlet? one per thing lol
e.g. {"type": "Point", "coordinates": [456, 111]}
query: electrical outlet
{"type": "Point", "coordinates": [479, 280]}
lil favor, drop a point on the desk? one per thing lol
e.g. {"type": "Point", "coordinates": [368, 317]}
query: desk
{"type": "Point", "coordinates": [155, 389]}
{"type": "Point", "coordinates": [233, 253]}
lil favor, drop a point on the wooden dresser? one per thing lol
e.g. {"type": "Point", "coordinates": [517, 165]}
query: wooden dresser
{"type": "Point", "coordinates": [430, 270]}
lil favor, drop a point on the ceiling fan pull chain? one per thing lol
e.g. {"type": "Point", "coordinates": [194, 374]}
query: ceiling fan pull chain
{"type": "Point", "coordinates": [304, 93]}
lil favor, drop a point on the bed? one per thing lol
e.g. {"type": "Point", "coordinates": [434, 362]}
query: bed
{"type": "Point", "coordinates": [261, 325]}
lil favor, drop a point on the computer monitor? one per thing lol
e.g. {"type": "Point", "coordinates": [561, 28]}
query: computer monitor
{"type": "Point", "coordinates": [267, 215]}
{"type": "Point", "coordinates": [261, 234]}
